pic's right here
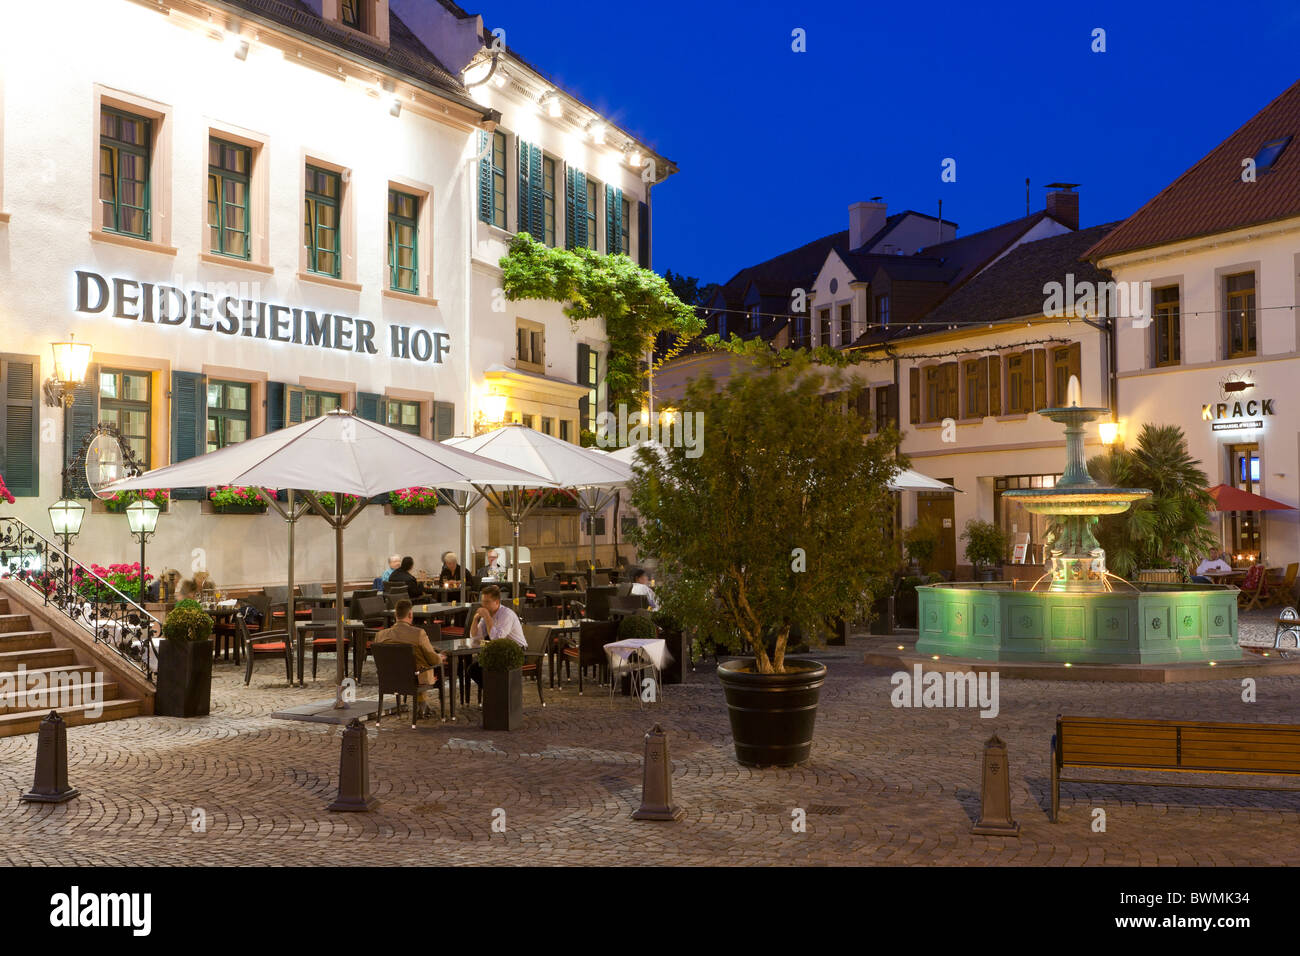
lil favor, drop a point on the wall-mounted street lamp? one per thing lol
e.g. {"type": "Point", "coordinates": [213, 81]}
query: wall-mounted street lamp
{"type": "Point", "coordinates": [65, 517]}
{"type": "Point", "coordinates": [491, 413]}
{"type": "Point", "coordinates": [1109, 432]}
{"type": "Point", "coordinates": [142, 518]}
{"type": "Point", "coordinates": [71, 360]}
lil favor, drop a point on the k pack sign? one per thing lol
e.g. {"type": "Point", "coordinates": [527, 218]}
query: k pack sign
{"type": "Point", "coordinates": [205, 310]}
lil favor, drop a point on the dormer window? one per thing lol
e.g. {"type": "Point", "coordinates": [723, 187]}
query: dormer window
{"type": "Point", "coordinates": [364, 16]}
{"type": "Point", "coordinates": [1268, 154]}
{"type": "Point", "coordinates": [350, 14]}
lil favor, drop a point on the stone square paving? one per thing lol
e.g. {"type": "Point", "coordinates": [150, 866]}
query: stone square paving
{"type": "Point", "coordinates": [884, 785]}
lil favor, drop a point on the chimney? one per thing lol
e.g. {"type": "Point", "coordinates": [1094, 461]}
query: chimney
{"type": "Point", "coordinates": [865, 220]}
{"type": "Point", "coordinates": [1063, 204]}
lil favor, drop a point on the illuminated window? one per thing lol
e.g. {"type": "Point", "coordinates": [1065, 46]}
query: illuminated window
{"type": "Point", "coordinates": [125, 401]}
{"type": "Point", "coordinates": [321, 232]}
{"type": "Point", "coordinates": [1239, 304]}
{"type": "Point", "coordinates": [229, 167]}
{"type": "Point", "coordinates": [402, 415]}
{"type": "Point", "coordinates": [124, 146]}
{"type": "Point", "coordinates": [227, 413]}
{"type": "Point", "coordinates": [403, 246]}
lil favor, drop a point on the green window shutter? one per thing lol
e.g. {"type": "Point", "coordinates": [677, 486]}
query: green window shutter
{"type": "Point", "coordinates": [293, 405]}
{"type": "Point", "coordinates": [612, 240]}
{"type": "Point", "coordinates": [536, 196]}
{"type": "Point", "coordinates": [85, 416]}
{"type": "Point", "coordinates": [525, 206]}
{"type": "Point", "coordinates": [189, 425]}
{"type": "Point", "coordinates": [570, 211]}
{"type": "Point", "coordinates": [20, 427]}
{"type": "Point", "coordinates": [643, 235]}
{"type": "Point", "coordinates": [581, 238]}
{"type": "Point", "coordinates": [485, 197]}
{"type": "Point", "coordinates": [914, 381]}
{"type": "Point", "coordinates": [618, 221]}
{"type": "Point", "coordinates": [444, 420]}
{"type": "Point", "coordinates": [275, 406]}
{"type": "Point", "coordinates": [370, 407]}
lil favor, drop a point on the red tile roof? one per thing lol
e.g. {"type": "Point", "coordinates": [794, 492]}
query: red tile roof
{"type": "Point", "coordinates": [1211, 198]}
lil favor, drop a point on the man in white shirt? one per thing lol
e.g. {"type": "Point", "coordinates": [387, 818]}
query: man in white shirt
{"type": "Point", "coordinates": [1214, 562]}
{"type": "Point", "coordinates": [493, 620]}
{"type": "Point", "coordinates": [495, 566]}
{"type": "Point", "coordinates": [640, 585]}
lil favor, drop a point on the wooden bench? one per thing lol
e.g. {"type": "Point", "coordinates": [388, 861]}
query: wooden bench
{"type": "Point", "coordinates": [1188, 746]}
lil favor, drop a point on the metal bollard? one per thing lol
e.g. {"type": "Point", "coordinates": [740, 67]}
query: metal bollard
{"type": "Point", "coordinates": [51, 785]}
{"type": "Point", "coordinates": [354, 772]}
{"type": "Point", "coordinates": [995, 793]}
{"type": "Point", "coordinates": [657, 780]}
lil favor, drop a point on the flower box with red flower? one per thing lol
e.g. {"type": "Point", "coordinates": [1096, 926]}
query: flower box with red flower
{"type": "Point", "coordinates": [236, 500]}
{"type": "Point", "coordinates": [413, 501]}
{"type": "Point", "coordinates": [117, 502]}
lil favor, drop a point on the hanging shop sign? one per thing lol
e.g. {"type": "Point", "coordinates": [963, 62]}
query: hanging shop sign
{"type": "Point", "coordinates": [206, 311]}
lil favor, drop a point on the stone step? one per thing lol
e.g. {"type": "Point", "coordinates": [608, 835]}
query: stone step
{"type": "Point", "coordinates": [29, 722]}
{"type": "Point", "coordinates": [32, 677]}
{"type": "Point", "coordinates": [41, 657]}
{"type": "Point", "coordinates": [14, 622]}
{"type": "Point", "coordinates": [44, 699]}
{"type": "Point", "coordinates": [25, 640]}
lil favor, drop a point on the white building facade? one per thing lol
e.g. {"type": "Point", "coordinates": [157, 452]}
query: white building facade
{"type": "Point", "coordinates": [268, 215]}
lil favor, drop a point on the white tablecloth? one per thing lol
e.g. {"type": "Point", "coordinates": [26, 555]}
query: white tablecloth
{"type": "Point", "coordinates": [654, 649]}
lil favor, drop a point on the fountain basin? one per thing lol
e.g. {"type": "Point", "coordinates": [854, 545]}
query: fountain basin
{"type": "Point", "coordinates": [1088, 501]}
{"type": "Point", "coordinates": [1156, 623]}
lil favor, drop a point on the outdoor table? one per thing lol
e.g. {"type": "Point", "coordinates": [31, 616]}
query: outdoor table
{"type": "Point", "coordinates": [562, 598]}
{"type": "Point", "coordinates": [222, 614]}
{"type": "Point", "coordinates": [353, 630]}
{"type": "Point", "coordinates": [558, 630]}
{"type": "Point", "coordinates": [1223, 576]}
{"type": "Point", "coordinates": [460, 648]}
{"type": "Point", "coordinates": [622, 654]}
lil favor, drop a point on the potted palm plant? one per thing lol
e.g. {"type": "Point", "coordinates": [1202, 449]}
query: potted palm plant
{"type": "Point", "coordinates": [185, 663]}
{"type": "Point", "coordinates": [986, 547]}
{"type": "Point", "coordinates": [756, 539]}
{"type": "Point", "coordinates": [502, 661]}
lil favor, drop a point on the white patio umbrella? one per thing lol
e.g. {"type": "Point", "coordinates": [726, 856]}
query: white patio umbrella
{"type": "Point", "coordinates": [345, 455]}
{"type": "Point", "coordinates": [909, 480]}
{"type": "Point", "coordinates": [593, 475]}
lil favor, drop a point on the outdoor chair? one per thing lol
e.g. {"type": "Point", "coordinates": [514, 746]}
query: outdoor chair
{"type": "Point", "coordinates": [597, 601]}
{"type": "Point", "coordinates": [312, 591]}
{"type": "Point", "coordinates": [600, 579]}
{"type": "Point", "coordinates": [354, 605]}
{"type": "Point", "coordinates": [371, 611]}
{"type": "Point", "coordinates": [535, 654]}
{"type": "Point", "coordinates": [553, 568]}
{"type": "Point", "coordinates": [629, 602]}
{"type": "Point", "coordinates": [538, 615]}
{"type": "Point", "coordinates": [1255, 592]}
{"type": "Point", "coordinates": [264, 644]}
{"type": "Point", "coordinates": [1283, 590]}
{"type": "Point", "coordinates": [590, 652]}
{"type": "Point", "coordinates": [395, 664]}
{"type": "Point", "coordinates": [325, 640]}
{"type": "Point", "coordinates": [395, 593]}
{"type": "Point", "coordinates": [623, 589]}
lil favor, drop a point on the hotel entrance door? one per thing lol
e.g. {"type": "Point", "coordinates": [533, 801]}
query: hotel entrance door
{"type": "Point", "coordinates": [937, 506]}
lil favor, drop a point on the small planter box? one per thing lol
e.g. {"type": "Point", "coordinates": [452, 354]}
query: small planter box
{"type": "Point", "coordinates": [239, 509]}
{"type": "Point", "coordinates": [503, 699]}
{"type": "Point", "coordinates": [411, 511]}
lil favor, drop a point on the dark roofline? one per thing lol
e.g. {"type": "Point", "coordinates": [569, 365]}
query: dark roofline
{"type": "Point", "coordinates": [456, 94]}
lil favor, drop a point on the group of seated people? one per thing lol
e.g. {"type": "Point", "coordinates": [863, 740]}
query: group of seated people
{"type": "Point", "coordinates": [400, 570]}
{"type": "Point", "coordinates": [1214, 562]}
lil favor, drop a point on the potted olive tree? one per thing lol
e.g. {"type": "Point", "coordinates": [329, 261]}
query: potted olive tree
{"type": "Point", "coordinates": [185, 663]}
{"type": "Point", "coordinates": [778, 520]}
{"type": "Point", "coordinates": [986, 547]}
{"type": "Point", "coordinates": [502, 661]}
{"type": "Point", "coordinates": [921, 542]}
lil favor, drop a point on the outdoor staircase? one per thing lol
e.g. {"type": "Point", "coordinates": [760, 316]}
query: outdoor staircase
{"type": "Point", "coordinates": [52, 678]}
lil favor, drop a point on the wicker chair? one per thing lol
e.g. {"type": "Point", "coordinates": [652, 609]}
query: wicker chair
{"type": "Point", "coordinates": [264, 644]}
{"type": "Point", "coordinates": [590, 652]}
{"type": "Point", "coordinates": [395, 664]}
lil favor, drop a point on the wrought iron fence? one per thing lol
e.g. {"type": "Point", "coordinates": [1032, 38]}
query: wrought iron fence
{"type": "Point", "coordinates": [105, 612]}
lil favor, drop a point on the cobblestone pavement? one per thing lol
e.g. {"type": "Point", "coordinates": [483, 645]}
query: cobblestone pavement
{"type": "Point", "coordinates": [884, 785]}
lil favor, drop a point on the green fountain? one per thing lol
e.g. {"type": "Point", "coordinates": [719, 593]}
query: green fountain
{"type": "Point", "coordinates": [1078, 612]}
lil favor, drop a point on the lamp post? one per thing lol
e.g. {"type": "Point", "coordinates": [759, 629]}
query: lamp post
{"type": "Point", "coordinates": [142, 518]}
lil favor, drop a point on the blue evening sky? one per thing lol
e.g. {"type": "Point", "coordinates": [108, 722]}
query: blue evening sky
{"type": "Point", "coordinates": [774, 145]}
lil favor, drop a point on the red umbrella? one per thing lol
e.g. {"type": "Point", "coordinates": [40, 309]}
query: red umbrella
{"type": "Point", "coordinates": [1227, 498]}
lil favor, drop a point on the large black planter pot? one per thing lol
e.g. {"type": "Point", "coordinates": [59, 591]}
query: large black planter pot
{"type": "Point", "coordinates": [772, 715]}
{"type": "Point", "coordinates": [184, 679]}
{"type": "Point", "coordinates": [986, 573]}
{"type": "Point", "coordinates": [677, 649]}
{"type": "Point", "coordinates": [503, 700]}
{"type": "Point", "coordinates": [905, 608]}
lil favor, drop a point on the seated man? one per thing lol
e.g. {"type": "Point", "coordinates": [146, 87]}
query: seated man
{"type": "Point", "coordinates": [495, 566]}
{"type": "Point", "coordinates": [641, 585]}
{"type": "Point", "coordinates": [403, 575]}
{"type": "Point", "coordinates": [426, 658]}
{"type": "Point", "coordinates": [1214, 561]}
{"type": "Point", "coordinates": [394, 562]}
{"type": "Point", "coordinates": [491, 621]}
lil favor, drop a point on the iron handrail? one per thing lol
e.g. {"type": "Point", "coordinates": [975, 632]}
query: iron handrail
{"type": "Point", "coordinates": [106, 613]}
